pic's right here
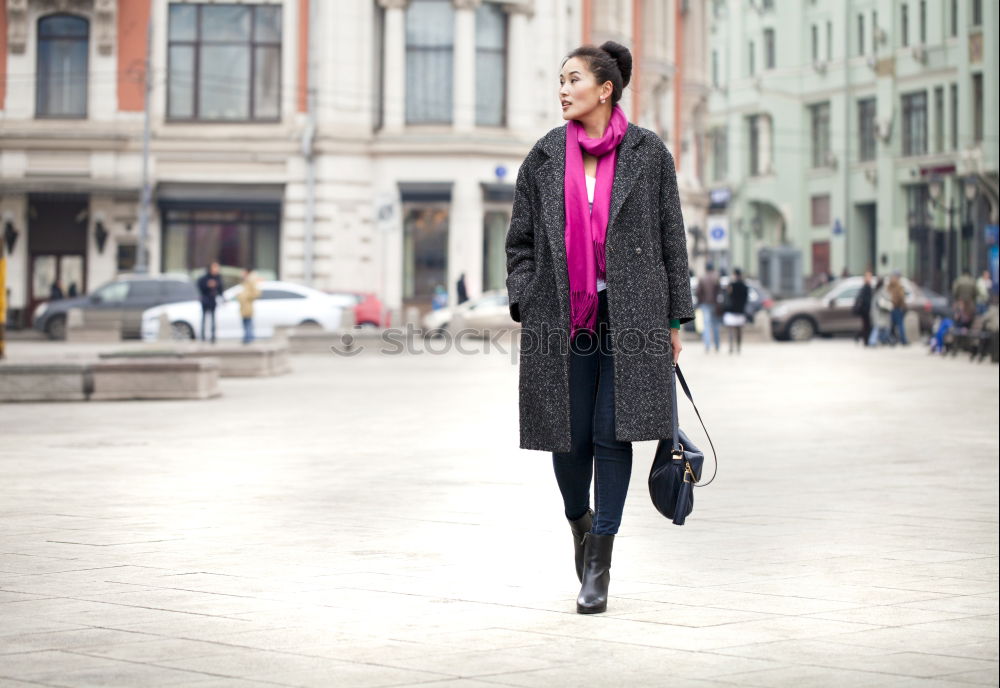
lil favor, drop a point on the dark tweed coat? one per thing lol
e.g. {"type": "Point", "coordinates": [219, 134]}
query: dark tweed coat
{"type": "Point", "coordinates": [647, 282]}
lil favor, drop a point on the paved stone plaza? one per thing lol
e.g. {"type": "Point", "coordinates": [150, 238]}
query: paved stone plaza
{"type": "Point", "coordinates": [370, 521]}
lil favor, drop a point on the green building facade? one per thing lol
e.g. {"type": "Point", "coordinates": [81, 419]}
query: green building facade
{"type": "Point", "coordinates": [853, 134]}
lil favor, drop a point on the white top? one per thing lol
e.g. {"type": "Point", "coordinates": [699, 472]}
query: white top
{"type": "Point", "coordinates": [591, 185]}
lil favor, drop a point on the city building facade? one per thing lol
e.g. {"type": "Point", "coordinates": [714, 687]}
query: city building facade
{"type": "Point", "coordinates": [847, 135]}
{"type": "Point", "coordinates": [380, 159]}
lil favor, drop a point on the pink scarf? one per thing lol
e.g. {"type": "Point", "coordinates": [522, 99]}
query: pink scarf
{"type": "Point", "coordinates": [587, 228]}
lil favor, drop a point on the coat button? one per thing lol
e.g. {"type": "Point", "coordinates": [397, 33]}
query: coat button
{"type": "Point", "coordinates": [638, 250]}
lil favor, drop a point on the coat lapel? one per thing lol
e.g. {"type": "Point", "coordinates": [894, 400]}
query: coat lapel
{"type": "Point", "coordinates": [627, 170]}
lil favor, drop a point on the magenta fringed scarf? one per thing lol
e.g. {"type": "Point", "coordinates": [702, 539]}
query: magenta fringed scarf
{"type": "Point", "coordinates": [587, 228]}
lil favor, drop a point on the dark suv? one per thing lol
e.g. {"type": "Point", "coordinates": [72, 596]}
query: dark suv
{"type": "Point", "coordinates": [122, 300]}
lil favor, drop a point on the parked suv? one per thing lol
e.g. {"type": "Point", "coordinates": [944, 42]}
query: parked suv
{"type": "Point", "coordinates": [827, 310]}
{"type": "Point", "coordinates": [122, 300]}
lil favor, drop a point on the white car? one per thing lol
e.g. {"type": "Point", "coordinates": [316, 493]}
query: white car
{"type": "Point", "coordinates": [280, 304]}
{"type": "Point", "coordinates": [491, 312]}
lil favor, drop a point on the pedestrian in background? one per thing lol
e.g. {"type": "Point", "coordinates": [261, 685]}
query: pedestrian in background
{"type": "Point", "coordinates": [575, 263]}
{"type": "Point", "coordinates": [880, 314]}
{"type": "Point", "coordinates": [248, 294]}
{"type": "Point", "coordinates": [440, 298]}
{"type": "Point", "coordinates": [735, 316]}
{"type": "Point", "coordinates": [897, 295]}
{"type": "Point", "coordinates": [964, 293]}
{"type": "Point", "coordinates": [863, 309]}
{"type": "Point", "coordinates": [984, 285]}
{"type": "Point", "coordinates": [56, 291]}
{"type": "Point", "coordinates": [707, 294]}
{"type": "Point", "coordinates": [461, 292]}
{"type": "Point", "coordinates": [210, 289]}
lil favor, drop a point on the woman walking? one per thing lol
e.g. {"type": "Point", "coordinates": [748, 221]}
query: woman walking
{"type": "Point", "coordinates": [597, 274]}
{"type": "Point", "coordinates": [735, 316]}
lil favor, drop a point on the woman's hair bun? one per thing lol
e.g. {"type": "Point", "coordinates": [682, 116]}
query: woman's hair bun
{"type": "Point", "coordinates": [623, 56]}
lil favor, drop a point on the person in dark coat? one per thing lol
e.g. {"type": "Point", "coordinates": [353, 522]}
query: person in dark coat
{"type": "Point", "coordinates": [735, 317]}
{"type": "Point", "coordinates": [863, 309]}
{"type": "Point", "coordinates": [210, 288]}
{"type": "Point", "coordinates": [597, 275]}
{"type": "Point", "coordinates": [707, 293]}
{"type": "Point", "coordinates": [460, 289]}
{"type": "Point", "coordinates": [56, 291]}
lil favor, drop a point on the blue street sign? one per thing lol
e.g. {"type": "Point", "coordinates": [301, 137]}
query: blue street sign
{"type": "Point", "coordinates": [500, 172]}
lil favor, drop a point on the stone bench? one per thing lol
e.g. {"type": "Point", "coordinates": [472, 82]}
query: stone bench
{"type": "Point", "coordinates": [154, 378]}
{"type": "Point", "coordinates": [148, 378]}
{"type": "Point", "coordinates": [92, 327]}
{"type": "Point", "coordinates": [44, 382]}
{"type": "Point", "coordinates": [264, 359]}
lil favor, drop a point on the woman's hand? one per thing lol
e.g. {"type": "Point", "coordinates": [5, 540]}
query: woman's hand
{"type": "Point", "coordinates": [675, 343]}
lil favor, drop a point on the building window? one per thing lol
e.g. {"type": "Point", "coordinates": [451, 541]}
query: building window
{"type": "Point", "coordinates": [430, 45]}
{"type": "Point", "coordinates": [720, 154]}
{"type": "Point", "coordinates": [829, 41]}
{"type": "Point", "coordinates": [954, 18]}
{"type": "Point", "coordinates": [495, 223]}
{"type": "Point", "coordinates": [819, 116]}
{"type": "Point", "coordinates": [915, 123]}
{"type": "Point", "coordinates": [861, 34]}
{"type": "Point", "coordinates": [491, 64]}
{"type": "Point", "coordinates": [63, 49]}
{"type": "Point", "coordinates": [977, 12]}
{"type": "Point", "coordinates": [425, 248]}
{"type": "Point", "coordinates": [977, 108]}
{"type": "Point", "coordinates": [195, 235]}
{"type": "Point", "coordinates": [752, 62]}
{"type": "Point", "coordinates": [769, 59]}
{"type": "Point", "coordinates": [953, 111]}
{"type": "Point", "coordinates": [815, 43]}
{"type": "Point", "coordinates": [224, 62]}
{"type": "Point", "coordinates": [904, 25]}
{"type": "Point", "coordinates": [753, 124]}
{"type": "Point", "coordinates": [715, 68]}
{"type": "Point", "coordinates": [939, 119]}
{"type": "Point", "coordinates": [923, 22]}
{"type": "Point", "coordinates": [819, 210]}
{"type": "Point", "coordinates": [866, 129]}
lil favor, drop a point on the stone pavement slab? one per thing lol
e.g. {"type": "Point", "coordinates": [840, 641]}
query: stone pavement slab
{"type": "Point", "coordinates": [369, 521]}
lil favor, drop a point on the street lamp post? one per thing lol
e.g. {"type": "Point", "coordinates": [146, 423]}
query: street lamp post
{"type": "Point", "coordinates": [935, 189]}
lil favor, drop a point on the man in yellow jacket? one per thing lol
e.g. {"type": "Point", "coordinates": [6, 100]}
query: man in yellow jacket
{"type": "Point", "coordinates": [248, 294]}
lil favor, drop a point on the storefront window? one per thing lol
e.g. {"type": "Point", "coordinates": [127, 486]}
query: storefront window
{"type": "Point", "coordinates": [194, 237]}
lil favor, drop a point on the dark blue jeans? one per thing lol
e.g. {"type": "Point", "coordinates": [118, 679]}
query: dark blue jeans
{"type": "Point", "coordinates": [210, 314]}
{"type": "Point", "coordinates": [592, 432]}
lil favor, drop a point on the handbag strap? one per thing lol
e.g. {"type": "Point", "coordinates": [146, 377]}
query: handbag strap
{"type": "Point", "coordinates": [679, 376]}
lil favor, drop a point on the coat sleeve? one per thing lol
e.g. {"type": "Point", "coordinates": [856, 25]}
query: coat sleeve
{"type": "Point", "coordinates": [674, 243]}
{"type": "Point", "coordinates": [520, 242]}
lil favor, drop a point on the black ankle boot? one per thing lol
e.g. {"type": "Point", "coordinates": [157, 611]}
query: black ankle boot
{"type": "Point", "coordinates": [580, 528]}
{"type": "Point", "coordinates": [593, 597]}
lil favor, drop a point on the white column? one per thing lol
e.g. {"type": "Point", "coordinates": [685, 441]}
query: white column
{"type": "Point", "coordinates": [394, 80]}
{"type": "Point", "coordinates": [518, 68]}
{"type": "Point", "coordinates": [464, 61]}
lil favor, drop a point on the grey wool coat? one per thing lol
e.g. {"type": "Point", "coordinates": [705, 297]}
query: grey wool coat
{"type": "Point", "coordinates": [647, 285]}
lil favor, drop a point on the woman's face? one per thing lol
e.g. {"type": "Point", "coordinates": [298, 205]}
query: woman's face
{"type": "Point", "coordinates": [579, 93]}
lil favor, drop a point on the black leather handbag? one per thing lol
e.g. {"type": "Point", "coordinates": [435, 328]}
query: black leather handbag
{"type": "Point", "coordinates": [677, 466]}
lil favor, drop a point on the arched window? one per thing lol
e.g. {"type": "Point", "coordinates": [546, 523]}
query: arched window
{"type": "Point", "coordinates": [63, 49]}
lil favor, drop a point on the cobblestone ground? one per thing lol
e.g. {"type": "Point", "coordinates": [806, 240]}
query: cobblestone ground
{"type": "Point", "coordinates": [370, 522]}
